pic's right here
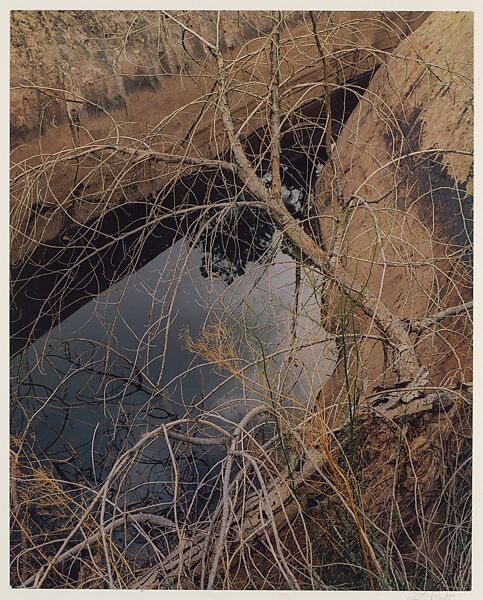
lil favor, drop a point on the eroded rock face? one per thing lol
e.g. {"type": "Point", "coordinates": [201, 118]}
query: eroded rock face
{"type": "Point", "coordinates": [403, 167]}
{"type": "Point", "coordinates": [122, 78]}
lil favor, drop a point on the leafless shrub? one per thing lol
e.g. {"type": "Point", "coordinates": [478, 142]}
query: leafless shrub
{"type": "Point", "coordinates": [313, 470]}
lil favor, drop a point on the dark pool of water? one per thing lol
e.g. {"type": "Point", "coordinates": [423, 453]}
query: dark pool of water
{"type": "Point", "coordinates": [119, 366]}
{"type": "Point", "coordinates": [98, 326]}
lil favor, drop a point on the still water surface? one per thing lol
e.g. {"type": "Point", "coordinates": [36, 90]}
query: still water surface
{"type": "Point", "coordinates": [120, 365]}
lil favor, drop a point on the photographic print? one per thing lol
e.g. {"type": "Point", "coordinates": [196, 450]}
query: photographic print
{"type": "Point", "coordinates": [241, 300]}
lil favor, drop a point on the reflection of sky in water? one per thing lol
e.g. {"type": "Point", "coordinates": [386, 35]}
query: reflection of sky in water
{"type": "Point", "coordinates": [147, 376]}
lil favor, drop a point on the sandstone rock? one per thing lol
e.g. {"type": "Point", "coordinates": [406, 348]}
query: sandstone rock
{"type": "Point", "coordinates": [403, 165]}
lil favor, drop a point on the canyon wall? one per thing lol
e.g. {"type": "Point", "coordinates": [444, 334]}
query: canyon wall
{"type": "Point", "coordinates": [92, 90]}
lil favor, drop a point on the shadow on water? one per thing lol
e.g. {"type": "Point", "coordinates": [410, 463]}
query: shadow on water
{"type": "Point", "coordinates": [63, 275]}
{"type": "Point", "coordinates": [99, 324]}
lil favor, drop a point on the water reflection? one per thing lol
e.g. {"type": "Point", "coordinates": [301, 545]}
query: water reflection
{"type": "Point", "coordinates": [120, 365]}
